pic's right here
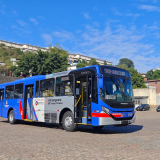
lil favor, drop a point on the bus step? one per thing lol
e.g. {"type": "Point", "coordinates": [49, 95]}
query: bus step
{"type": "Point", "coordinates": [29, 120]}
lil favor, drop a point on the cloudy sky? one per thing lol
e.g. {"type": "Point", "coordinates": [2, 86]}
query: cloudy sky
{"type": "Point", "coordinates": [106, 29]}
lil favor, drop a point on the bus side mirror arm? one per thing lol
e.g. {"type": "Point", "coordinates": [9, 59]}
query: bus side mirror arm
{"type": "Point", "coordinates": [100, 81]}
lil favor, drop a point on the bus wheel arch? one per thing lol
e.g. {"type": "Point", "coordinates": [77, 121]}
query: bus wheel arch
{"type": "Point", "coordinates": [61, 116]}
{"type": "Point", "coordinates": [9, 111]}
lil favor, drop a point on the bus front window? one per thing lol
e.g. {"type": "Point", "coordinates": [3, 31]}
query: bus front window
{"type": "Point", "coordinates": [117, 89]}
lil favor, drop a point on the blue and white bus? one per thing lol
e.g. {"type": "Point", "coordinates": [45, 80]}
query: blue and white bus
{"type": "Point", "coordinates": [94, 95]}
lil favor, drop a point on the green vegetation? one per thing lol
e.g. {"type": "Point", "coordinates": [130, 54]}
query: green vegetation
{"type": "Point", "coordinates": [42, 63]}
{"type": "Point", "coordinates": [137, 78]}
{"type": "Point", "coordinates": [125, 61]}
{"type": "Point", "coordinates": [6, 53]}
{"type": "Point", "coordinates": [84, 63]}
{"type": "Point", "coordinates": [149, 75]}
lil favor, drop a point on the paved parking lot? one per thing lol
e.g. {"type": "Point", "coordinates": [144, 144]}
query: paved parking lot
{"type": "Point", "coordinates": [40, 141]}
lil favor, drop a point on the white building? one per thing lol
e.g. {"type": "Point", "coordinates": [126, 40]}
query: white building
{"type": "Point", "coordinates": [73, 58]}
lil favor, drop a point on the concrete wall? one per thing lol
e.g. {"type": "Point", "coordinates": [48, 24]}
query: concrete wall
{"type": "Point", "coordinates": [149, 94]}
{"type": "Point", "coordinates": [152, 95]}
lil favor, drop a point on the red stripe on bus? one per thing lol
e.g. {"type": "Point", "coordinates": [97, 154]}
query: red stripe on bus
{"type": "Point", "coordinates": [116, 114]}
{"type": "Point", "coordinates": [21, 109]}
{"type": "Point", "coordinates": [106, 115]}
{"type": "Point", "coordinates": [100, 115]}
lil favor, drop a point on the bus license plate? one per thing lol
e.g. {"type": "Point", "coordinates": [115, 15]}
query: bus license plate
{"type": "Point", "coordinates": [124, 122]}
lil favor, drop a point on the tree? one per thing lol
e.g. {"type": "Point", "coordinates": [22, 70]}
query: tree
{"type": "Point", "coordinates": [156, 74]}
{"type": "Point", "coordinates": [137, 79]}
{"type": "Point", "coordinates": [129, 63]}
{"type": "Point", "coordinates": [27, 65]}
{"type": "Point", "coordinates": [52, 61]}
{"type": "Point", "coordinates": [124, 66]}
{"type": "Point", "coordinates": [93, 62]}
{"type": "Point", "coordinates": [105, 63]}
{"type": "Point", "coordinates": [149, 75]}
{"type": "Point", "coordinates": [82, 63]}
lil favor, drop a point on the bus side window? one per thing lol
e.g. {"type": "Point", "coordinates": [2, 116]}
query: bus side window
{"type": "Point", "coordinates": [47, 88]}
{"type": "Point", "coordinates": [9, 93]}
{"type": "Point", "coordinates": [37, 89]}
{"type": "Point", "coordinates": [94, 89]}
{"type": "Point", "coordinates": [64, 86]}
{"type": "Point", "coordinates": [18, 91]}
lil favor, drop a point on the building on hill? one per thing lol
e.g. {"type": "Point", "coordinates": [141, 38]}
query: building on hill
{"type": "Point", "coordinates": [154, 69]}
{"type": "Point", "coordinates": [72, 59]}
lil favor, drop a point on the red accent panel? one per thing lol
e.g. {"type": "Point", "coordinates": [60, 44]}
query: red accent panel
{"type": "Point", "coordinates": [106, 115]}
{"type": "Point", "coordinates": [116, 114]}
{"type": "Point", "coordinates": [100, 115]}
{"type": "Point", "coordinates": [21, 109]}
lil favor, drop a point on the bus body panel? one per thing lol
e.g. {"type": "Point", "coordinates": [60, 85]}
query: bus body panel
{"type": "Point", "coordinates": [16, 105]}
{"type": "Point", "coordinates": [48, 109]}
{"type": "Point", "coordinates": [111, 121]}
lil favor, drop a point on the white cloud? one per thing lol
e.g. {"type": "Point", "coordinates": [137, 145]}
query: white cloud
{"type": "Point", "coordinates": [14, 12]}
{"type": "Point", "coordinates": [47, 38]}
{"type": "Point", "coordinates": [112, 45]}
{"type": "Point", "coordinates": [34, 21]}
{"type": "Point", "coordinates": [132, 15]}
{"type": "Point", "coordinates": [63, 35]}
{"type": "Point", "coordinates": [86, 15]}
{"type": "Point", "coordinates": [41, 17]}
{"type": "Point", "coordinates": [2, 8]}
{"type": "Point", "coordinates": [149, 8]}
{"type": "Point", "coordinates": [116, 12]}
{"type": "Point", "coordinates": [20, 31]}
{"type": "Point", "coordinates": [22, 23]}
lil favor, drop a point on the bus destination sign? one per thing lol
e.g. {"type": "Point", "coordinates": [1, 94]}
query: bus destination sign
{"type": "Point", "coordinates": [105, 70]}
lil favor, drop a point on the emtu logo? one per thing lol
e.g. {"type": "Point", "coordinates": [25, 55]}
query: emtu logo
{"type": "Point", "coordinates": [36, 103]}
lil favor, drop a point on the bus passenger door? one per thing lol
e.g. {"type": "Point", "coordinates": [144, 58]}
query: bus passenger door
{"type": "Point", "coordinates": [1, 100]}
{"type": "Point", "coordinates": [28, 102]}
{"type": "Point", "coordinates": [82, 109]}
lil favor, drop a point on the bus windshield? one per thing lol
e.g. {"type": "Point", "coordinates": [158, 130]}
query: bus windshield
{"type": "Point", "coordinates": [117, 89]}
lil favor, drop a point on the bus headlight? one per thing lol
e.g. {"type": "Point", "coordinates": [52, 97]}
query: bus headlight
{"type": "Point", "coordinates": [106, 110]}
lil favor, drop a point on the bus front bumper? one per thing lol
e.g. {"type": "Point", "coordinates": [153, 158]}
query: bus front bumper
{"type": "Point", "coordinates": [110, 121]}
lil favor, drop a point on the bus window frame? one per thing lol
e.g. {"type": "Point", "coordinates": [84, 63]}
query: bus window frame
{"type": "Point", "coordinates": [13, 91]}
{"type": "Point", "coordinates": [15, 88]}
{"type": "Point", "coordinates": [36, 88]}
{"type": "Point", "coordinates": [40, 87]}
{"type": "Point", "coordinates": [64, 86]}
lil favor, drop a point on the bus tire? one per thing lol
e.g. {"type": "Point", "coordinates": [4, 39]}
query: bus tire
{"type": "Point", "coordinates": [11, 117]}
{"type": "Point", "coordinates": [97, 127]}
{"type": "Point", "coordinates": [68, 122]}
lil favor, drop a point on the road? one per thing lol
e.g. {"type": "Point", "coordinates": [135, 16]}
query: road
{"type": "Point", "coordinates": [138, 141]}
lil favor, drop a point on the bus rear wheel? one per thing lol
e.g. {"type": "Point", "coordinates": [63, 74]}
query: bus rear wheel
{"type": "Point", "coordinates": [11, 117]}
{"type": "Point", "coordinates": [68, 122]}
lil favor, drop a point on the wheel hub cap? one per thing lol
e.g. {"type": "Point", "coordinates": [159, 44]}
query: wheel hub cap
{"type": "Point", "coordinates": [11, 117]}
{"type": "Point", "coordinates": [68, 121]}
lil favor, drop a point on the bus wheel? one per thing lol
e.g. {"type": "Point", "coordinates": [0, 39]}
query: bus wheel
{"type": "Point", "coordinates": [11, 117]}
{"type": "Point", "coordinates": [68, 122]}
{"type": "Point", "coordinates": [97, 127]}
